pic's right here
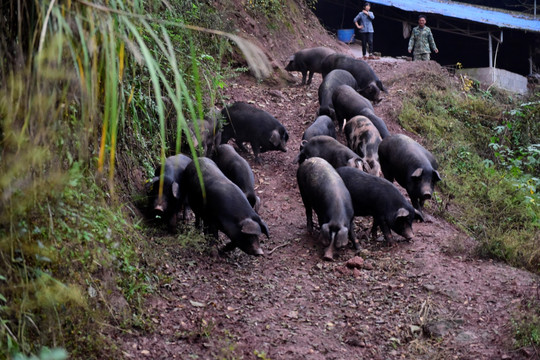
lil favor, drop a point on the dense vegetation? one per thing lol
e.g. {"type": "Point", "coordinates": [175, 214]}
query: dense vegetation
{"type": "Point", "coordinates": [488, 144]}
{"type": "Point", "coordinates": [91, 92]}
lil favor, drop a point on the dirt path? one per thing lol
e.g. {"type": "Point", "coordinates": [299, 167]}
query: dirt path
{"type": "Point", "coordinates": [428, 299]}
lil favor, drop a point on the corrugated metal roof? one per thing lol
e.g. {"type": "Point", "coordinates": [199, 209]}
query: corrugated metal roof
{"type": "Point", "coordinates": [496, 17]}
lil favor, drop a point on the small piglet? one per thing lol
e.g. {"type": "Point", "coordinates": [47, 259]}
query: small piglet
{"type": "Point", "coordinates": [224, 207]}
{"type": "Point", "coordinates": [246, 123]}
{"type": "Point", "coordinates": [377, 197]}
{"type": "Point", "coordinates": [323, 190]}
{"type": "Point", "coordinates": [411, 165]}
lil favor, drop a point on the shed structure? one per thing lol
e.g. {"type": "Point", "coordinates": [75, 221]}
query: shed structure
{"type": "Point", "coordinates": [495, 21]}
{"type": "Point", "coordinates": [451, 22]}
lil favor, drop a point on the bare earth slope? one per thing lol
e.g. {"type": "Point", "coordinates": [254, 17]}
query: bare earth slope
{"type": "Point", "coordinates": [427, 299]}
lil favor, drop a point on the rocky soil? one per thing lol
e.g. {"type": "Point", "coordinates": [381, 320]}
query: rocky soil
{"type": "Point", "coordinates": [426, 299]}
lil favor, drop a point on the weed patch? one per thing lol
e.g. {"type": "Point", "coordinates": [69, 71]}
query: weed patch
{"type": "Point", "coordinates": [488, 158]}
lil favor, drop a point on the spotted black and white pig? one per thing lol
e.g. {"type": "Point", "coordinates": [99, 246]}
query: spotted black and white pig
{"type": "Point", "coordinates": [308, 60]}
{"type": "Point", "coordinates": [377, 197]}
{"type": "Point", "coordinates": [364, 139]}
{"type": "Point", "coordinates": [411, 165]}
{"type": "Point", "coordinates": [330, 83]}
{"type": "Point", "coordinates": [246, 123]}
{"type": "Point", "coordinates": [369, 84]}
{"type": "Point", "coordinates": [323, 125]}
{"type": "Point", "coordinates": [169, 203]}
{"type": "Point", "coordinates": [329, 149]}
{"type": "Point", "coordinates": [348, 104]}
{"type": "Point", "coordinates": [237, 169]}
{"type": "Point", "coordinates": [323, 190]}
{"type": "Point", "coordinates": [223, 207]}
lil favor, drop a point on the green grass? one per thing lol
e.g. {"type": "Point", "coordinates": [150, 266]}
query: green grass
{"type": "Point", "coordinates": [487, 145]}
{"type": "Point", "coordinates": [100, 90]}
{"type": "Point", "coordinates": [494, 198]}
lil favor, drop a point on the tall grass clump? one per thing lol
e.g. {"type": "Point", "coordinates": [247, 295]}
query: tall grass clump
{"type": "Point", "coordinates": [486, 143]}
{"type": "Point", "coordinates": [87, 93]}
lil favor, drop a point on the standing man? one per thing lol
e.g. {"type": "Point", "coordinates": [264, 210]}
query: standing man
{"type": "Point", "coordinates": [422, 41]}
{"type": "Point", "coordinates": [363, 22]}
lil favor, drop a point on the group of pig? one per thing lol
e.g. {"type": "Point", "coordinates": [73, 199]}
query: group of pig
{"type": "Point", "coordinates": [339, 182]}
{"type": "Point", "coordinates": [225, 200]}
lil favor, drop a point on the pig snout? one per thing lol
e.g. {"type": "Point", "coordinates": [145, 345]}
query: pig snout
{"type": "Point", "coordinates": [426, 196]}
{"type": "Point", "coordinates": [160, 206]}
{"type": "Point", "coordinates": [252, 249]}
{"type": "Point", "coordinates": [408, 234]}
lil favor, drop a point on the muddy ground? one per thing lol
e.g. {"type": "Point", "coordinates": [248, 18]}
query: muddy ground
{"type": "Point", "coordinates": [430, 298]}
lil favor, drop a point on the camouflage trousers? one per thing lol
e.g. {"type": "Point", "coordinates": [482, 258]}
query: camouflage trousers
{"type": "Point", "coordinates": [422, 57]}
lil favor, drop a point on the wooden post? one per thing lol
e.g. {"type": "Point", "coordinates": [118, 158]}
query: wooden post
{"type": "Point", "coordinates": [490, 50]}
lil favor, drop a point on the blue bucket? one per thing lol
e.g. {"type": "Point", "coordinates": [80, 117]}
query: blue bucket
{"type": "Point", "coordinates": [345, 35]}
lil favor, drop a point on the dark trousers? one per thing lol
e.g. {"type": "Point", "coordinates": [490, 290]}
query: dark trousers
{"type": "Point", "coordinates": [367, 41]}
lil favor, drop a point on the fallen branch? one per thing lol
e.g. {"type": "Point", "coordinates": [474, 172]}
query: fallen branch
{"type": "Point", "coordinates": [277, 247]}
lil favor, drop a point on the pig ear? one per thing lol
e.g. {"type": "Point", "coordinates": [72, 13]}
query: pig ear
{"type": "Point", "coordinates": [417, 173]}
{"type": "Point", "coordinates": [175, 190]}
{"type": "Point", "coordinates": [355, 163]}
{"type": "Point", "coordinates": [436, 176]}
{"type": "Point", "coordinates": [264, 229]}
{"type": "Point", "coordinates": [275, 138]}
{"type": "Point", "coordinates": [402, 212]}
{"type": "Point", "coordinates": [418, 215]}
{"type": "Point", "coordinates": [381, 86]}
{"type": "Point", "coordinates": [250, 227]}
{"type": "Point", "coordinates": [367, 167]}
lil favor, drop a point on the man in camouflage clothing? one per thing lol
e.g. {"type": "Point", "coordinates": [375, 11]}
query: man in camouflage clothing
{"type": "Point", "coordinates": [422, 40]}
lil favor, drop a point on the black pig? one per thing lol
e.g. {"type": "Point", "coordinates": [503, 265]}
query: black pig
{"type": "Point", "coordinates": [377, 197]}
{"type": "Point", "coordinates": [246, 123]}
{"type": "Point", "coordinates": [323, 125]}
{"type": "Point", "coordinates": [330, 150]}
{"type": "Point", "coordinates": [170, 202]}
{"type": "Point", "coordinates": [411, 165]}
{"type": "Point", "coordinates": [348, 104]}
{"type": "Point", "coordinates": [369, 84]}
{"type": "Point", "coordinates": [330, 83]}
{"type": "Point", "coordinates": [224, 207]}
{"type": "Point", "coordinates": [237, 169]}
{"type": "Point", "coordinates": [206, 135]}
{"type": "Point", "coordinates": [323, 190]}
{"type": "Point", "coordinates": [308, 60]}
{"type": "Point", "coordinates": [364, 139]}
